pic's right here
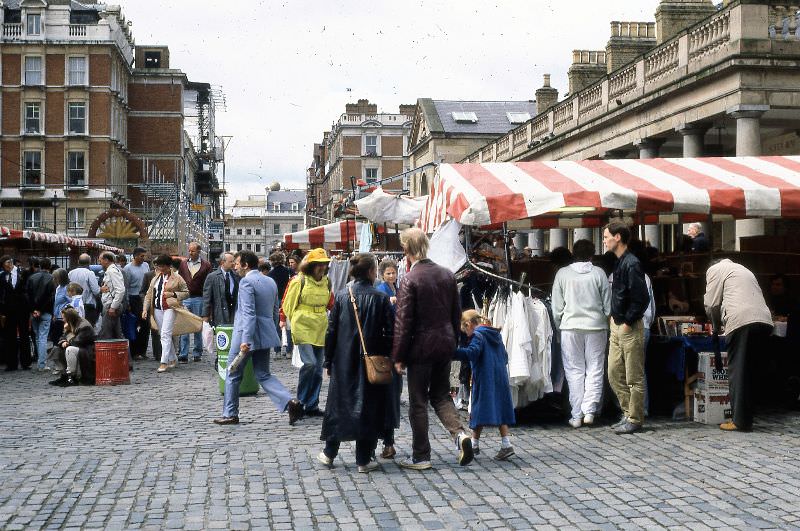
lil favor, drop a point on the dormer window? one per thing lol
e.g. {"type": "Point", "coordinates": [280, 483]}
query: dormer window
{"type": "Point", "coordinates": [276, 207]}
{"type": "Point", "coordinates": [518, 117]}
{"type": "Point", "coordinates": [33, 24]}
{"type": "Point", "coordinates": [465, 117]}
{"type": "Point", "coordinates": [152, 59]}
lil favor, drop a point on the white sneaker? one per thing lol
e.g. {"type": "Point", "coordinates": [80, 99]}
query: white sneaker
{"type": "Point", "coordinates": [588, 419]}
{"type": "Point", "coordinates": [575, 423]}
{"type": "Point", "coordinates": [325, 460]}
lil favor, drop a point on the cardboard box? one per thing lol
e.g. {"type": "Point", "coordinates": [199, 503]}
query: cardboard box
{"type": "Point", "coordinates": [712, 406]}
{"type": "Point", "coordinates": [708, 377]}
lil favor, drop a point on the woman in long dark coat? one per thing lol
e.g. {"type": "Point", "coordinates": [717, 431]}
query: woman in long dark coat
{"type": "Point", "coordinates": [355, 410]}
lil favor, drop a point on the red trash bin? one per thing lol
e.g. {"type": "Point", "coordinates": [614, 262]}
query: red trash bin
{"type": "Point", "coordinates": [111, 362]}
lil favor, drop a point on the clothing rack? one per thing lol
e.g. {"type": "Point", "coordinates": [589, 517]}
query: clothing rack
{"type": "Point", "coordinates": [532, 291]}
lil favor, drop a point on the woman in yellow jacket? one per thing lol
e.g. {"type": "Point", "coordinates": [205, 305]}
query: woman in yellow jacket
{"type": "Point", "coordinates": [308, 297]}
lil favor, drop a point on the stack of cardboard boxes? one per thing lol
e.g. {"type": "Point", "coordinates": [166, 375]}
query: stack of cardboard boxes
{"type": "Point", "coordinates": [712, 401]}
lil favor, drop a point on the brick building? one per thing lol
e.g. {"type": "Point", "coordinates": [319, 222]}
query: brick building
{"type": "Point", "coordinates": [87, 118]}
{"type": "Point", "coordinates": [364, 144]}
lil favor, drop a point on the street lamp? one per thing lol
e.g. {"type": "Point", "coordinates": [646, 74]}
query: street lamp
{"type": "Point", "coordinates": [55, 202]}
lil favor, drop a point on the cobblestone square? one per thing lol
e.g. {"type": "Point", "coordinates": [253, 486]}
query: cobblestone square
{"type": "Point", "coordinates": [146, 456]}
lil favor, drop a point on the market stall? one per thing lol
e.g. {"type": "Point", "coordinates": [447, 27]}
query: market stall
{"type": "Point", "coordinates": [24, 243]}
{"type": "Point", "coordinates": [339, 235]}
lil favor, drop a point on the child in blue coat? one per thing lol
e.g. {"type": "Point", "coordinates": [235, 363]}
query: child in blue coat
{"type": "Point", "coordinates": [491, 393]}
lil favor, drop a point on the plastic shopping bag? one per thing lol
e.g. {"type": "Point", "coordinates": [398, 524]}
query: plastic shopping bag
{"type": "Point", "coordinates": [208, 338]}
{"type": "Point", "coordinates": [296, 360]}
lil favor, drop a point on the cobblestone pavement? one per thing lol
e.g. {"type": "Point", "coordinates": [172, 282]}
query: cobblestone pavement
{"type": "Point", "coordinates": [147, 456]}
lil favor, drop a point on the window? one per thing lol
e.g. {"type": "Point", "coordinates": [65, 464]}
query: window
{"type": "Point", "coordinates": [33, 168]}
{"type": "Point", "coordinates": [238, 246]}
{"type": "Point", "coordinates": [295, 207]}
{"type": "Point", "coordinates": [371, 175]}
{"type": "Point", "coordinates": [34, 25]}
{"type": "Point", "coordinates": [77, 118]}
{"type": "Point", "coordinates": [276, 228]}
{"type": "Point", "coordinates": [227, 232]}
{"type": "Point", "coordinates": [276, 207]}
{"type": "Point", "coordinates": [76, 218]}
{"type": "Point", "coordinates": [227, 247]}
{"type": "Point", "coordinates": [33, 117]}
{"type": "Point", "coordinates": [33, 218]}
{"type": "Point", "coordinates": [295, 227]}
{"type": "Point", "coordinates": [249, 247]}
{"type": "Point", "coordinates": [76, 168]}
{"type": "Point", "coordinates": [153, 60]}
{"type": "Point", "coordinates": [258, 247]}
{"type": "Point", "coordinates": [518, 117]}
{"type": "Point", "coordinates": [77, 70]}
{"type": "Point", "coordinates": [258, 232]}
{"type": "Point", "coordinates": [465, 117]}
{"type": "Point", "coordinates": [248, 232]}
{"type": "Point", "coordinates": [239, 233]}
{"type": "Point", "coordinates": [372, 145]}
{"type": "Point", "coordinates": [33, 70]}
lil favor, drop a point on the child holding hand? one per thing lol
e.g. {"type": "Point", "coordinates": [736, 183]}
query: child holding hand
{"type": "Point", "coordinates": [491, 394]}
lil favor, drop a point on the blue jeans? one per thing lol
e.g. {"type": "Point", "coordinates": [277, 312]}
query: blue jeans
{"type": "Point", "coordinates": [41, 331]}
{"type": "Point", "coordinates": [310, 380]}
{"type": "Point", "coordinates": [275, 390]}
{"type": "Point", "coordinates": [194, 305]}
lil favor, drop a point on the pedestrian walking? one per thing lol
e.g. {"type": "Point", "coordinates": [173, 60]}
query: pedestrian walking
{"type": "Point", "coordinates": [425, 337]}
{"type": "Point", "coordinates": [155, 336]}
{"type": "Point", "coordinates": [491, 400]}
{"type": "Point", "coordinates": [281, 275]}
{"type": "Point", "coordinates": [308, 298]}
{"type": "Point", "coordinates": [220, 292]}
{"type": "Point", "coordinates": [581, 306]}
{"type": "Point", "coordinates": [14, 317]}
{"type": "Point", "coordinates": [41, 297]}
{"type": "Point", "coordinates": [164, 295]}
{"type": "Point", "coordinates": [355, 409]}
{"type": "Point", "coordinates": [734, 302]}
{"type": "Point", "coordinates": [136, 271]}
{"type": "Point", "coordinates": [91, 290]}
{"type": "Point", "coordinates": [112, 298]}
{"type": "Point", "coordinates": [254, 334]}
{"type": "Point", "coordinates": [194, 271]}
{"type": "Point", "coordinates": [629, 301]}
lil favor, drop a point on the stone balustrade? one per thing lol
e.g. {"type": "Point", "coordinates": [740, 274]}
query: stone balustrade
{"type": "Point", "coordinates": [661, 61]}
{"type": "Point", "coordinates": [621, 82]}
{"type": "Point", "coordinates": [590, 99]}
{"type": "Point", "coordinates": [503, 144]}
{"type": "Point", "coordinates": [784, 21]}
{"type": "Point", "coordinates": [710, 35]}
{"type": "Point", "coordinates": [12, 30]}
{"type": "Point", "coordinates": [77, 30]}
{"type": "Point", "coordinates": [564, 112]}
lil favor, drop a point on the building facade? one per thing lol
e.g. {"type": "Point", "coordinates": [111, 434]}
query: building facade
{"type": "Point", "coordinates": [362, 145]}
{"type": "Point", "coordinates": [89, 122]}
{"type": "Point", "coordinates": [699, 81]}
{"type": "Point", "coordinates": [258, 223]}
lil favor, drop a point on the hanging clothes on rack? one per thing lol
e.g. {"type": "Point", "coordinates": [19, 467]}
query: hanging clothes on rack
{"type": "Point", "coordinates": [337, 272]}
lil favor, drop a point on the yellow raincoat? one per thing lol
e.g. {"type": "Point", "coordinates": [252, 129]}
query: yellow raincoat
{"type": "Point", "coordinates": [307, 311]}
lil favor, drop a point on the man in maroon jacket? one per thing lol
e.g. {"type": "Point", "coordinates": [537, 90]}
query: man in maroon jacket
{"type": "Point", "coordinates": [194, 271]}
{"type": "Point", "coordinates": [426, 330]}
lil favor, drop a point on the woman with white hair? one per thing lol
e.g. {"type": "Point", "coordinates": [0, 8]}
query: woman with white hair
{"type": "Point", "coordinates": [699, 240]}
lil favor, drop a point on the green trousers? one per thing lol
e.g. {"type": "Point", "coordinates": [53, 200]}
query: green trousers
{"type": "Point", "coordinates": [626, 369]}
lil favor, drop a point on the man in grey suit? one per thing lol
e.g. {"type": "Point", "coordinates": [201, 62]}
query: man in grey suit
{"type": "Point", "coordinates": [254, 332]}
{"type": "Point", "coordinates": [219, 293]}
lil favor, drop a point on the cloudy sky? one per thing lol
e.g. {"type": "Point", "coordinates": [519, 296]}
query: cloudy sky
{"type": "Point", "coordinates": [288, 68]}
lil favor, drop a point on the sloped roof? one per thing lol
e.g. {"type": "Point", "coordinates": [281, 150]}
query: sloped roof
{"type": "Point", "coordinates": [492, 115]}
{"type": "Point", "coordinates": [287, 196]}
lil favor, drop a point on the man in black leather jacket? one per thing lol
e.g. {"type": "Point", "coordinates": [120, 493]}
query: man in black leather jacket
{"type": "Point", "coordinates": [629, 300]}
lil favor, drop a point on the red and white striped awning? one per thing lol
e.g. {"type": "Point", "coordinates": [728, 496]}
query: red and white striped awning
{"type": "Point", "coordinates": [331, 236]}
{"type": "Point", "coordinates": [583, 191]}
{"type": "Point", "coordinates": [50, 237]}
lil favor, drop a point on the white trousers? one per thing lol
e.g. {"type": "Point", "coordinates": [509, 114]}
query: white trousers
{"type": "Point", "coordinates": [71, 354]}
{"type": "Point", "coordinates": [165, 319]}
{"type": "Point", "coordinates": [583, 354]}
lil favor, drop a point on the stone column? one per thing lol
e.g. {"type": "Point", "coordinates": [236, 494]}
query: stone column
{"type": "Point", "coordinates": [748, 144]}
{"type": "Point", "coordinates": [693, 137]}
{"type": "Point", "coordinates": [536, 242]}
{"type": "Point", "coordinates": [558, 238]}
{"type": "Point", "coordinates": [649, 149]}
{"type": "Point", "coordinates": [582, 234]}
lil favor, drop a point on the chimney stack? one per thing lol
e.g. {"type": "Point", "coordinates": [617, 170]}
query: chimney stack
{"type": "Point", "coordinates": [546, 96]}
{"type": "Point", "coordinates": [588, 67]}
{"type": "Point", "coordinates": [628, 41]}
{"type": "Point", "coordinates": [672, 16]}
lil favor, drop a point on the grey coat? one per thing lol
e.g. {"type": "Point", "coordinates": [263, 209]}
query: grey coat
{"type": "Point", "coordinates": [218, 306]}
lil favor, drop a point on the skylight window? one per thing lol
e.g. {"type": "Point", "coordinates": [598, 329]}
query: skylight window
{"type": "Point", "coordinates": [465, 117]}
{"type": "Point", "coordinates": [518, 117]}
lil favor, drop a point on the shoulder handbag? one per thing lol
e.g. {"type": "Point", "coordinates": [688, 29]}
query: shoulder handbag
{"type": "Point", "coordinates": [379, 368]}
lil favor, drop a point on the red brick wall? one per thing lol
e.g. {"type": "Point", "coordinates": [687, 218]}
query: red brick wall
{"type": "Point", "coordinates": [11, 68]}
{"type": "Point", "coordinates": [54, 69]}
{"type": "Point", "coordinates": [99, 163]}
{"type": "Point", "coordinates": [155, 97]}
{"type": "Point", "coordinates": [351, 145]}
{"type": "Point", "coordinates": [99, 113]}
{"type": "Point", "coordinates": [100, 69]}
{"type": "Point", "coordinates": [390, 168]}
{"type": "Point", "coordinates": [10, 164]}
{"type": "Point", "coordinates": [162, 135]}
{"type": "Point", "coordinates": [350, 168]}
{"type": "Point", "coordinates": [54, 113]}
{"type": "Point", "coordinates": [392, 146]}
{"type": "Point", "coordinates": [54, 163]}
{"type": "Point", "coordinates": [11, 113]}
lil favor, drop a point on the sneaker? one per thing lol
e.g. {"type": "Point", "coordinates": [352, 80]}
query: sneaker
{"type": "Point", "coordinates": [410, 463]}
{"type": "Point", "coordinates": [369, 467]}
{"type": "Point", "coordinates": [465, 454]}
{"type": "Point", "coordinates": [575, 423]}
{"type": "Point", "coordinates": [627, 428]}
{"type": "Point", "coordinates": [162, 368]}
{"type": "Point", "coordinates": [620, 422]}
{"type": "Point", "coordinates": [325, 460]}
{"type": "Point", "coordinates": [504, 453]}
{"type": "Point", "coordinates": [588, 419]}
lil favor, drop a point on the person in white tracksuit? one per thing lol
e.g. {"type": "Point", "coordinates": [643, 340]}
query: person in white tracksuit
{"type": "Point", "coordinates": [581, 306]}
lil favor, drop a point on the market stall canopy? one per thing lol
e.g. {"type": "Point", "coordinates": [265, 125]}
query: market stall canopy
{"type": "Point", "coordinates": [383, 207]}
{"type": "Point", "coordinates": [49, 237]}
{"type": "Point", "coordinates": [584, 191]}
{"type": "Point", "coordinates": [334, 235]}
